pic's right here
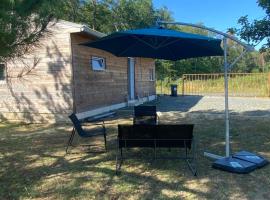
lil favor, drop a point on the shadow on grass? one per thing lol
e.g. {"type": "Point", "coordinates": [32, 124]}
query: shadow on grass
{"type": "Point", "coordinates": [33, 164]}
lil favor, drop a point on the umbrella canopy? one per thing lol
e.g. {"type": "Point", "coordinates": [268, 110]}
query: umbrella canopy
{"type": "Point", "coordinates": [159, 43]}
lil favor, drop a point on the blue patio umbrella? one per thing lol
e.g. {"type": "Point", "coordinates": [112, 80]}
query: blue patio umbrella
{"type": "Point", "coordinates": [158, 43]}
{"type": "Point", "coordinates": [161, 43]}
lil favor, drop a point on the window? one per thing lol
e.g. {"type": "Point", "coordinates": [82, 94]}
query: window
{"type": "Point", "coordinates": [151, 74]}
{"type": "Point", "coordinates": [2, 71]}
{"type": "Point", "coordinates": [98, 63]}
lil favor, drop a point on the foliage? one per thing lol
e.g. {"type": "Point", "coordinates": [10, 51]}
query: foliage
{"type": "Point", "coordinates": [113, 15]}
{"type": "Point", "coordinates": [253, 33]}
{"type": "Point", "coordinates": [23, 23]}
{"type": "Point", "coordinates": [71, 10]}
{"type": "Point", "coordinates": [131, 14]}
{"type": "Point", "coordinates": [259, 29]}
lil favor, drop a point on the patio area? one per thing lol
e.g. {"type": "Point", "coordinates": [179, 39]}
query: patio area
{"type": "Point", "coordinates": [212, 107]}
{"type": "Point", "coordinates": [33, 163]}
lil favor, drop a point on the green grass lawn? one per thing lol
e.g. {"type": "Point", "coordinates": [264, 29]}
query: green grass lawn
{"type": "Point", "coordinates": [33, 165]}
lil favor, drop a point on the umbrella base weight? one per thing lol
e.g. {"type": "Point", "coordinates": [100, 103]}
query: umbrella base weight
{"type": "Point", "coordinates": [242, 162]}
{"type": "Point", "coordinates": [251, 157]}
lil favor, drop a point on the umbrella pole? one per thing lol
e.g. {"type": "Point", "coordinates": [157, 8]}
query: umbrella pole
{"type": "Point", "coordinates": [227, 120]}
{"type": "Point", "coordinates": [226, 99]}
{"type": "Point", "coordinates": [248, 48]}
{"type": "Point", "coordinates": [227, 66]}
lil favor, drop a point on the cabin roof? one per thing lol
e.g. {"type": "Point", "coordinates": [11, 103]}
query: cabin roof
{"type": "Point", "coordinates": [76, 27]}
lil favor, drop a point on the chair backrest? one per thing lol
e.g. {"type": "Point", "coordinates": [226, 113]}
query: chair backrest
{"type": "Point", "coordinates": [145, 115]}
{"type": "Point", "coordinates": [77, 125]}
{"type": "Point", "coordinates": [136, 135]}
{"type": "Point", "coordinates": [140, 111]}
{"type": "Point", "coordinates": [174, 131]}
{"type": "Point", "coordinates": [143, 135]}
{"type": "Point", "coordinates": [174, 135]}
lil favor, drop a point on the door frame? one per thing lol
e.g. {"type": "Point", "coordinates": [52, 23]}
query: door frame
{"type": "Point", "coordinates": [131, 78]}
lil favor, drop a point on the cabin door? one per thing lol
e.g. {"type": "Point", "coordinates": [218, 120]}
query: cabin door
{"type": "Point", "coordinates": [131, 78]}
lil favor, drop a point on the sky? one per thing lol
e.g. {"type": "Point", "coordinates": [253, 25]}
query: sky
{"type": "Point", "coordinates": [218, 14]}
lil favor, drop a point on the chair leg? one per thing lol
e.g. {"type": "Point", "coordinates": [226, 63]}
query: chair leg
{"type": "Point", "coordinates": [192, 164]}
{"type": "Point", "coordinates": [155, 149]}
{"type": "Point", "coordinates": [105, 142]}
{"type": "Point", "coordinates": [185, 148]}
{"type": "Point", "coordinates": [119, 159]}
{"type": "Point", "coordinates": [70, 139]}
{"type": "Point", "coordinates": [104, 134]}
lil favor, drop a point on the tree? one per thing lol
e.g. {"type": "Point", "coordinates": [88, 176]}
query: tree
{"type": "Point", "coordinates": [97, 15]}
{"type": "Point", "coordinates": [256, 31]}
{"type": "Point", "coordinates": [71, 10]}
{"type": "Point", "coordinates": [114, 15]}
{"type": "Point", "coordinates": [23, 23]}
{"type": "Point", "coordinates": [164, 14]}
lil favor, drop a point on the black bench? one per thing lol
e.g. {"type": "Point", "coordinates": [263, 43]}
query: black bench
{"type": "Point", "coordinates": [157, 136]}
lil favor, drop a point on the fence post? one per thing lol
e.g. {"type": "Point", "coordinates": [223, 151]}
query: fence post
{"type": "Point", "coordinates": [183, 85]}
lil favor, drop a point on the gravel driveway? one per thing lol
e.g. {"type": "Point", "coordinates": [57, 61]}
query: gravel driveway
{"type": "Point", "coordinates": [215, 105]}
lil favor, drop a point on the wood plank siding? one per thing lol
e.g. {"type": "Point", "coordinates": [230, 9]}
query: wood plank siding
{"type": "Point", "coordinates": [37, 88]}
{"type": "Point", "coordinates": [108, 87]}
{"type": "Point", "coordinates": [56, 78]}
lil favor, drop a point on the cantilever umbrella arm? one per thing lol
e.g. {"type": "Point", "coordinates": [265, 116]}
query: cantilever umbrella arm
{"type": "Point", "coordinates": [227, 66]}
{"type": "Point", "coordinates": [246, 46]}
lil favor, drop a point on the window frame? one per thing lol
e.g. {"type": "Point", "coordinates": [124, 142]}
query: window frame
{"type": "Point", "coordinates": [152, 74]}
{"type": "Point", "coordinates": [94, 58]}
{"type": "Point", "coordinates": [3, 77]}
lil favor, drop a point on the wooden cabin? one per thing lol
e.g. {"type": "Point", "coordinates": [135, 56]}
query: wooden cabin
{"type": "Point", "coordinates": [60, 76]}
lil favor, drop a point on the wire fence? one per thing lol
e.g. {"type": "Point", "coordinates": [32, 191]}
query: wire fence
{"type": "Point", "coordinates": [240, 84]}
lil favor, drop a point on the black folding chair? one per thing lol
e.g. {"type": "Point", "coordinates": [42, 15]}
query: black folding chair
{"type": "Point", "coordinates": [77, 127]}
{"type": "Point", "coordinates": [145, 115]}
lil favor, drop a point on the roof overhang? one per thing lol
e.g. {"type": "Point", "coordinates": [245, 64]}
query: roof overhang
{"type": "Point", "coordinates": [76, 28]}
{"type": "Point", "coordinates": [91, 32]}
